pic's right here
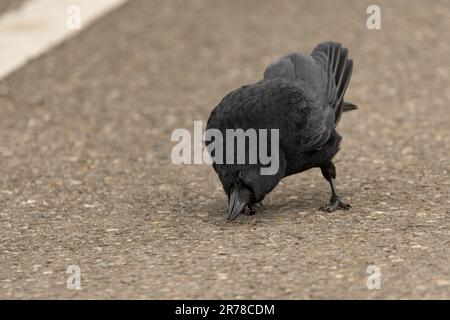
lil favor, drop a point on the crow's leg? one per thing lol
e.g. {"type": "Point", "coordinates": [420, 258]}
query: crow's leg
{"type": "Point", "coordinates": [329, 173]}
{"type": "Point", "coordinates": [251, 209]}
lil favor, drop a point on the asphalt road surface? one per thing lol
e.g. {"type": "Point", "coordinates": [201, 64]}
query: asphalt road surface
{"type": "Point", "coordinates": [86, 177]}
{"type": "Point", "coordinates": [7, 5]}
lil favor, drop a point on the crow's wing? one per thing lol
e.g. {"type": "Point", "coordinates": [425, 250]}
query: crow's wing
{"type": "Point", "coordinates": [312, 119]}
{"type": "Point", "coordinates": [276, 104]}
{"type": "Point", "coordinates": [324, 74]}
{"type": "Point", "coordinates": [301, 95]}
{"type": "Point", "coordinates": [306, 72]}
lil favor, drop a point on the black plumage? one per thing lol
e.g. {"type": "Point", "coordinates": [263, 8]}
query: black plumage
{"type": "Point", "coordinates": [302, 96]}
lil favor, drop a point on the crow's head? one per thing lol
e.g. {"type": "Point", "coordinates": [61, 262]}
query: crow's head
{"type": "Point", "coordinates": [245, 186]}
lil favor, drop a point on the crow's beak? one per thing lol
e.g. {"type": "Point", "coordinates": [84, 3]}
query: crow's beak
{"type": "Point", "coordinates": [238, 200]}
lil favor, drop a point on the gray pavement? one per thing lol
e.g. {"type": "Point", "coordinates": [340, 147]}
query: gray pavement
{"type": "Point", "coordinates": [86, 177]}
{"type": "Point", "coordinates": [8, 5]}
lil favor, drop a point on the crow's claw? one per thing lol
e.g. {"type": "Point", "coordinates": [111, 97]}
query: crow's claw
{"type": "Point", "coordinates": [253, 208]}
{"type": "Point", "coordinates": [336, 203]}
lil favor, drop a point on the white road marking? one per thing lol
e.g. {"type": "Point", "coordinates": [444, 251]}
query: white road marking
{"type": "Point", "coordinates": [39, 25]}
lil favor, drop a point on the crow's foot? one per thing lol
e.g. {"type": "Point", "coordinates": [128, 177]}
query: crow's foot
{"type": "Point", "coordinates": [253, 208]}
{"type": "Point", "coordinates": [336, 203]}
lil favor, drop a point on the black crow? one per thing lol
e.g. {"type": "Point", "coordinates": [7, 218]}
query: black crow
{"type": "Point", "coordinates": [303, 97]}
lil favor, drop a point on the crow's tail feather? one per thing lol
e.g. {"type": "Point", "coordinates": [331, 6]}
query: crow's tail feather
{"type": "Point", "coordinates": [340, 67]}
{"type": "Point", "coordinates": [349, 106]}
